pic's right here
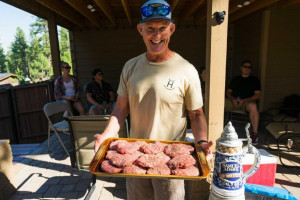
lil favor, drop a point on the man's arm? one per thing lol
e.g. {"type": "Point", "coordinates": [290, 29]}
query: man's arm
{"type": "Point", "coordinates": [115, 122]}
{"type": "Point", "coordinates": [199, 130]}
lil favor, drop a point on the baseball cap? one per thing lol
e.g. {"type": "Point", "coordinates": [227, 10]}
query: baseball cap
{"type": "Point", "coordinates": [155, 9]}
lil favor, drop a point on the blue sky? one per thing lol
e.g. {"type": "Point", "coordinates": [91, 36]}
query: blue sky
{"type": "Point", "coordinates": [11, 18]}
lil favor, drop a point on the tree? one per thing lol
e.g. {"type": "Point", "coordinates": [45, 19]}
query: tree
{"type": "Point", "coordinates": [3, 65]}
{"type": "Point", "coordinates": [17, 61]}
{"type": "Point", "coordinates": [40, 67]}
{"type": "Point", "coordinates": [64, 45]}
{"type": "Point", "coordinates": [40, 28]}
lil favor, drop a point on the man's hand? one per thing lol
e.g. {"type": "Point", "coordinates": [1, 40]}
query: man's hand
{"type": "Point", "coordinates": [99, 139]}
{"type": "Point", "coordinates": [206, 147]}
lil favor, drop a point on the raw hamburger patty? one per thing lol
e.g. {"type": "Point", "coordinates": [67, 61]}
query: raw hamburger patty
{"type": "Point", "coordinates": [191, 171]}
{"type": "Point", "coordinates": [153, 148]}
{"type": "Point", "coordinates": [173, 150]}
{"type": "Point", "coordinates": [113, 145]}
{"type": "Point", "coordinates": [124, 147]}
{"type": "Point", "coordinates": [111, 153]}
{"type": "Point", "coordinates": [134, 169]}
{"type": "Point", "coordinates": [106, 166]}
{"type": "Point", "coordinates": [151, 160]}
{"type": "Point", "coordinates": [122, 160]}
{"type": "Point", "coordinates": [181, 161]}
{"type": "Point", "coordinates": [161, 169]}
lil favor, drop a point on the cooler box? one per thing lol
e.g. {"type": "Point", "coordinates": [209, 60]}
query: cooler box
{"type": "Point", "coordinates": [265, 175]}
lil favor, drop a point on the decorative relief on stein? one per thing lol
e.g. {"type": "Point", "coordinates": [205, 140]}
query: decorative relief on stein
{"type": "Point", "coordinates": [228, 178]}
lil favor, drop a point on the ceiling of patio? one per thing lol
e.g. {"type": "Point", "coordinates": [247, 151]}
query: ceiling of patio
{"type": "Point", "coordinates": [74, 14]}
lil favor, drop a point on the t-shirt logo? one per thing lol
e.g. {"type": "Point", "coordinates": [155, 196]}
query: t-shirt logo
{"type": "Point", "coordinates": [170, 85]}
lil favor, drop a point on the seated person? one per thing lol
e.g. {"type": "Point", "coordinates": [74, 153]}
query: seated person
{"type": "Point", "coordinates": [66, 89]}
{"type": "Point", "coordinates": [243, 92]}
{"type": "Point", "coordinates": [202, 80]}
{"type": "Point", "coordinates": [100, 95]}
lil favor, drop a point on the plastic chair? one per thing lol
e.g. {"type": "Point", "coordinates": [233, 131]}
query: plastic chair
{"type": "Point", "coordinates": [82, 129]}
{"type": "Point", "coordinates": [51, 109]}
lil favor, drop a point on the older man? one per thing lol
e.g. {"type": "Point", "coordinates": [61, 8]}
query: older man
{"type": "Point", "coordinates": [159, 89]}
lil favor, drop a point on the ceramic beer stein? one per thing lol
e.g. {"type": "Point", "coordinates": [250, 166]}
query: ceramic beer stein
{"type": "Point", "coordinates": [228, 178]}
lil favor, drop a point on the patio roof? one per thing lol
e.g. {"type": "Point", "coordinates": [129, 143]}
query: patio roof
{"type": "Point", "coordinates": [74, 14]}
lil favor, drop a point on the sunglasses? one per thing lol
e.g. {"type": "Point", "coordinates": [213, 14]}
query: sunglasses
{"type": "Point", "coordinates": [249, 67]}
{"type": "Point", "coordinates": [67, 67]}
{"type": "Point", "coordinates": [162, 10]}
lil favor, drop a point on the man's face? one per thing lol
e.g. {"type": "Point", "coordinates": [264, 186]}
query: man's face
{"type": "Point", "coordinates": [156, 35]}
{"type": "Point", "coordinates": [246, 69]}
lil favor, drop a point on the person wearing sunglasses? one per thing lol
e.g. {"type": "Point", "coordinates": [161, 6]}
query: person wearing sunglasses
{"type": "Point", "coordinates": [100, 95]}
{"type": "Point", "coordinates": [67, 90]}
{"type": "Point", "coordinates": [159, 89]}
{"type": "Point", "coordinates": [243, 93]}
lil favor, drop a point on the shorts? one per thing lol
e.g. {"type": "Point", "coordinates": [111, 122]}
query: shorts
{"type": "Point", "coordinates": [229, 106]}
{"type": "Point", "coordinates": [149, 189]}
{"type": "Point", "coordinates": [103, 112]}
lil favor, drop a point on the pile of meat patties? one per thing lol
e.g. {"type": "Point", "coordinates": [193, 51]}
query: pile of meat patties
{"type": "Point", "coordinates": [140, 157]}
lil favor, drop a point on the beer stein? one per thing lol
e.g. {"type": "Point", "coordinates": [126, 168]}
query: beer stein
{"type": "Point", "coordinates": [228, 177]}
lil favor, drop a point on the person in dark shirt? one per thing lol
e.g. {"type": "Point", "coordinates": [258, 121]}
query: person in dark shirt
{"type": "Point", "coordinates": [202, 80]}
{"type": "Point", "coordinates": [100, 95]}
{"type": "Point", "coordinates": [243, 91]}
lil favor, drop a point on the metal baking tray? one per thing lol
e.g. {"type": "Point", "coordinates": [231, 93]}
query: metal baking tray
{"type": "Point", "coordinates": [198, 154]}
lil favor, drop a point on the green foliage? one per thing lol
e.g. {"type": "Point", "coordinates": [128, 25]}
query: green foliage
{"type": "Point", "coordinates": [34, 59]}
{"type": "Point", "coordinates": [64, 46]}
{"type": "Point", "coordinates": [3, 62]}
{"type": "Point", "coordinates": [17, 61]}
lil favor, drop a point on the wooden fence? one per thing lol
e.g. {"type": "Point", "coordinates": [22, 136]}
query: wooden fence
{"type": "Point", "coordinates": [21, 112]}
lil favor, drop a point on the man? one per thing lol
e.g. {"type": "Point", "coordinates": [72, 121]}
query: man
{"type": "Point", "coordinates": [158, 88]}
{"type": "Point", "coordinates": [100, 95]}
{"type": "Point", "coordinates": [244, 91]}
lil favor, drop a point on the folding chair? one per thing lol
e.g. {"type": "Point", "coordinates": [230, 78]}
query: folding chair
{"type": "Point", "coordinates": [287, 136]}
{"type": "Point", "coordinates": [82, 130]}
{"type": "Point", "coordinates": [50, 109]}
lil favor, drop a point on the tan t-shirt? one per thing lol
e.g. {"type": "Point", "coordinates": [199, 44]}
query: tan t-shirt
{"type": "Point", "coordinates": [159, 95]}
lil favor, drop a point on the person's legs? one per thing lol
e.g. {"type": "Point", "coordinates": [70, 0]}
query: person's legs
{"type": "Point", "coordinates": [168, 189]}
{"type": "Point", "coordinates": [251, 107]}
{"type": "Point", "coordinates": [253, 115]}
{"type": "Point", "coordinates": [94, 110]}
{"type": "Point", "coordinates": [68, 102]}
{"type": "Point", "coordinates": [139, 189]}
{"type": "Point", "coordinates": [79, 107]}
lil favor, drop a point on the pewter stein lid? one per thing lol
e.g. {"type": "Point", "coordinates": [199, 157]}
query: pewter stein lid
{"type": "Point", "coordinates": [229, 137]}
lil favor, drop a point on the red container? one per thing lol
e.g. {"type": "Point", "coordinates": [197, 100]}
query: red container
{"type": "Point", "coordinates": [265, 175]}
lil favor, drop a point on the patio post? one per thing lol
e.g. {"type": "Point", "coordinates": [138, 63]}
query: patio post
{"type": "Point", "coordinates": [216, 48]}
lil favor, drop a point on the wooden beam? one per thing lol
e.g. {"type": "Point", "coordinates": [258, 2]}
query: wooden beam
{"type": "Point", "coordinates": [80, 6]}
{"type": "Point", "coordinates": [253, 7]}
{"type": "Point", "coordinates": [127, 11]}
{"type": "Point", "coordinates": [54, 46]}
{"type": "Point", "coordinates": [286, 3]}
{"type": "Point", "coordinates": [264, 55]}
{"type": "Point", "coordinates": [202, 15]}
{"type": "Point", "coordinates": [61, 9]}
{"type": "Point", "coordinates": [174, 4]}
{"type": "Point", "coordinates": [216, 47]}
{"type": "Point", "coordinates": [233, 6]}
{"type": "Point", "coordinates": [190, 9]}
{"type": "Point", "coordinates": [107, 10]}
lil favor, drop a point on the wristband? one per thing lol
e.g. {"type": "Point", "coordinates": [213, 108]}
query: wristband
{"type": "Point", "coordinates": [202, 141]}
